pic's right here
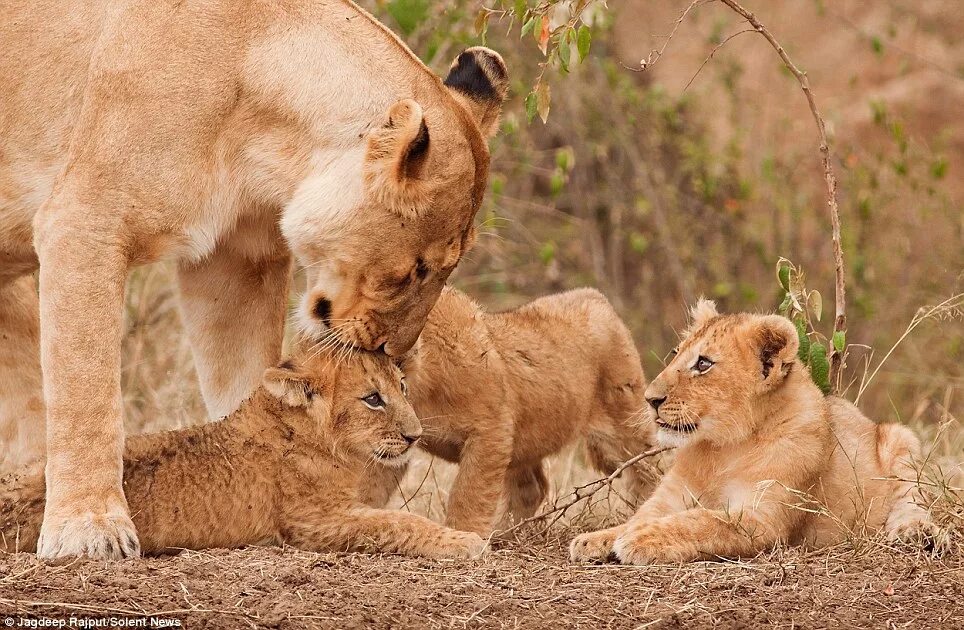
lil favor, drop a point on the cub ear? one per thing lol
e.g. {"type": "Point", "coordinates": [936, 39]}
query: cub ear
{"type": "Point", "coordinates": [703, 311]}
{"type": "Point", "coordinates": [775, 340]}
{"type": "Point", "coordinates": [288, 384]}
{"type": "Point", "coordinates": [397, 151]}
{"type": "Point", "coordinates": [479, 79]}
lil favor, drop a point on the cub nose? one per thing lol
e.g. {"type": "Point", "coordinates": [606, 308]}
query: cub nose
{"type": "Point", "coordinates": [412, 437]}
{"type": "Point", "coordinates": [656, 402]}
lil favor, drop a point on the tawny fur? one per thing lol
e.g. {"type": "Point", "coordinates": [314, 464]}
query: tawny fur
{"type": "Point", "coordinates": [284, 467]}
{"type": "Point", "coordinates": [231, 137]}
{"type": "Point", "coordinates": [763, 456]}
{"type": "Point", "coordinates": [500, 392]}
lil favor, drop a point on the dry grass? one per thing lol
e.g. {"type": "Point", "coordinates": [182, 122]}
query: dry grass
{"type": "Point", "coordinates": [524, 586]}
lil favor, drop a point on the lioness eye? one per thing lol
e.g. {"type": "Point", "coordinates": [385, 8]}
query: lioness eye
{"type": "Point", "coordinates": [374, 400]}
{"type": "Point", "coordinates": [702, 364]}
{"type": "Point", "coordinates": [404, 388]}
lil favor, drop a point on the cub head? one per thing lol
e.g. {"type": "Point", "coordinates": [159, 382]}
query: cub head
{"type": "Point", "coordinates": [380, 227]}
{"type": "Point", "coordinates": [712, 388]}
{"type": "Point", "coordinates": [354, 402]}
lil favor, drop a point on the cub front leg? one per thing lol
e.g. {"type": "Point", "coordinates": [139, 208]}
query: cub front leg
{"type": "Point", "coordinates": [378, 531]}
{"type": "Point", "coordinates": [233, 305]}
{"type": "Point", "coordinates": [697, 534]}
{"type": "Point", "coordinates": [82, 276]}
{"type": "Point", "coordinates": [478, 486]}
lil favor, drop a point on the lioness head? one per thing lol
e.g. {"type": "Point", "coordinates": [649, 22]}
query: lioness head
{"type": "Point", "coordinates": [354, 400]}
{"type": "Point", "coordinates": [380, 227]}
{"type": "Point", "coordinates": [712, 388]}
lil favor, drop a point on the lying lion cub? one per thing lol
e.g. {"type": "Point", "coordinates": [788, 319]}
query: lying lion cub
{"type": "Point", "coordinates": [284, 467]}
{"type": "Point", "coordinates": [763, 457]}
{"type": "Point", "coordinates": [500, 392]}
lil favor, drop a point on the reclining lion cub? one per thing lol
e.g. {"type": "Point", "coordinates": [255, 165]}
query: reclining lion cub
{"type": "Point", "coordinates": [282, 468]}
{"type": "Point", "coordinates": [500, 392]}
{"type": "Point", "coordinates": [764, 457]}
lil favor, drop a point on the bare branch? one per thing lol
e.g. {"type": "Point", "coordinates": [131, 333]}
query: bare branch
{"type": "Point", "coordinates": [557, 511]}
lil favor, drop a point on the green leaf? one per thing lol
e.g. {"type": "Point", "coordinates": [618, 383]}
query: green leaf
{"type": "Point", "coordinates": [804, 351]}
{"type": "Point", "coordinates": [785, 304]}
{"type": "Point", "coordinates": [820, 366]}
{"type": "Point", "coordinates": [783, 275]}
{"type": "Point", "coordinates": [527, 27]}
{"type": "Point", "coordinates": [547, 252]}
{"type": "Point", "coordinates": [877, 46]}
{"type": "Point", "coordinates": [565, 54]}
{"type": "Point", "coordinates": [583, 41]}
{"type": "Point", "coordinates": [520, 8]}
{"type": "Point", "coordinates": [532, 106]}
{"type": "Point", "coordinates": [557, 182]}
{"type": "Point", "coordinates": [839, 341]}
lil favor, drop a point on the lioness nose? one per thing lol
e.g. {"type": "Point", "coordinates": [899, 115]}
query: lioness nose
{"type": "Point", "coordinates": [412, 437]}
{"type": "Point", "coordinates": [656, 402]}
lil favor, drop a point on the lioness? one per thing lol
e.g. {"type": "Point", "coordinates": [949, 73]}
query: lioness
{"type": "Point", "coordinates": [227, 136]}
{"type": "Point", "coordinates": [500, 392]}
{"type": "Point", "coordinates": [763, 456]}
{"type": "Point", "coordinates": [284, 467]}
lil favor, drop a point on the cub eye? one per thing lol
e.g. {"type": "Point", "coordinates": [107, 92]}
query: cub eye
{"type": "Point", "coordinates": [374, 401]}
{"type": "Point", "coordinates": [404, 388]}
{"type": "Point", "coordinates": [702, 364]}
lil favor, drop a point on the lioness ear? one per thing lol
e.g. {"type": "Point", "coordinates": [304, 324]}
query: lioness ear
{"type": "Point", "coordinates": [702, 312]}
{"type": "Point", "coordinates": [396, 154]}
{"type": "Point", "coordinates": [479, 79]}
{"type": "Point", "coordinates": [776, 343]}
{"type": "Point", "coordinates": [288, 384]}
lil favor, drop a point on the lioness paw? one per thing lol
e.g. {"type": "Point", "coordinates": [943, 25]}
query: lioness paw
{"type": "Point", "coordinates": [593, 547]}
{"type": "Point", "coordinates": [98, 536]}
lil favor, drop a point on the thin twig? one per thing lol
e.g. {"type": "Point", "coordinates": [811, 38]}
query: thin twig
{"type": "Point", "coordinates": [840, 293]}
{"type": "Point", "coordinates": [582, 492]}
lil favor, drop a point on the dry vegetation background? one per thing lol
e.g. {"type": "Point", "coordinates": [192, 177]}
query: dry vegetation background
{"type": "Point", "coordinates": [657, 187]}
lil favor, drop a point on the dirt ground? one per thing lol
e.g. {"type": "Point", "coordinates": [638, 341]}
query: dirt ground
{"type": "Point", "coordinates": [518, 586]}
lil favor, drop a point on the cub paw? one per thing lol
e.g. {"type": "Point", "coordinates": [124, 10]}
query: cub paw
{"type": "Point", "coordinates": [98, 536]}
{"type": "Point", "coordinates": [922, 533]}
{"type": "Point", "coordinates": [593, 547]}
{"type": "Point", "coordinates": [463, 546]}
{"type": "Point", "coordinates": [648, 545]}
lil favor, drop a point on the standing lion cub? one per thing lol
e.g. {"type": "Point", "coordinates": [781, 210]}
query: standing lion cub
{"type": "Point", "coordinates": [763, 456]}
{"type": "Point", "coordinates": [284, 467]}
{"type": "Point", "coordinates": [499, 392]}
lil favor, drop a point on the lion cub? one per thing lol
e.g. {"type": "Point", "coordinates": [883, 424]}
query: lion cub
{"type": "Point", "coordinates": [284, 467]}
{"type": "Point", "coordinates": [763, 456]}
{"type": "Point", "coordinates": [500, 392]}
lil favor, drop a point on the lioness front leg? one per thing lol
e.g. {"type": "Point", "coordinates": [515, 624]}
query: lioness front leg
{"type": "Point", "coordinates": [82, 276]}
{"type": "Point", "coordinates": [478, 486]}
{"type": "Point", "coordinates": [21, 392]}
{"type": "Point", "coordinates": [233, 304]}
{"type": "Point", "coordinates": [378, 531]}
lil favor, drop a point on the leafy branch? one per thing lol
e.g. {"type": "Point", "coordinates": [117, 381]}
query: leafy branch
{"type": "Point", "coordinates": [557, 43]}
{"type": "Point", "coordinates": [830, 178]}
